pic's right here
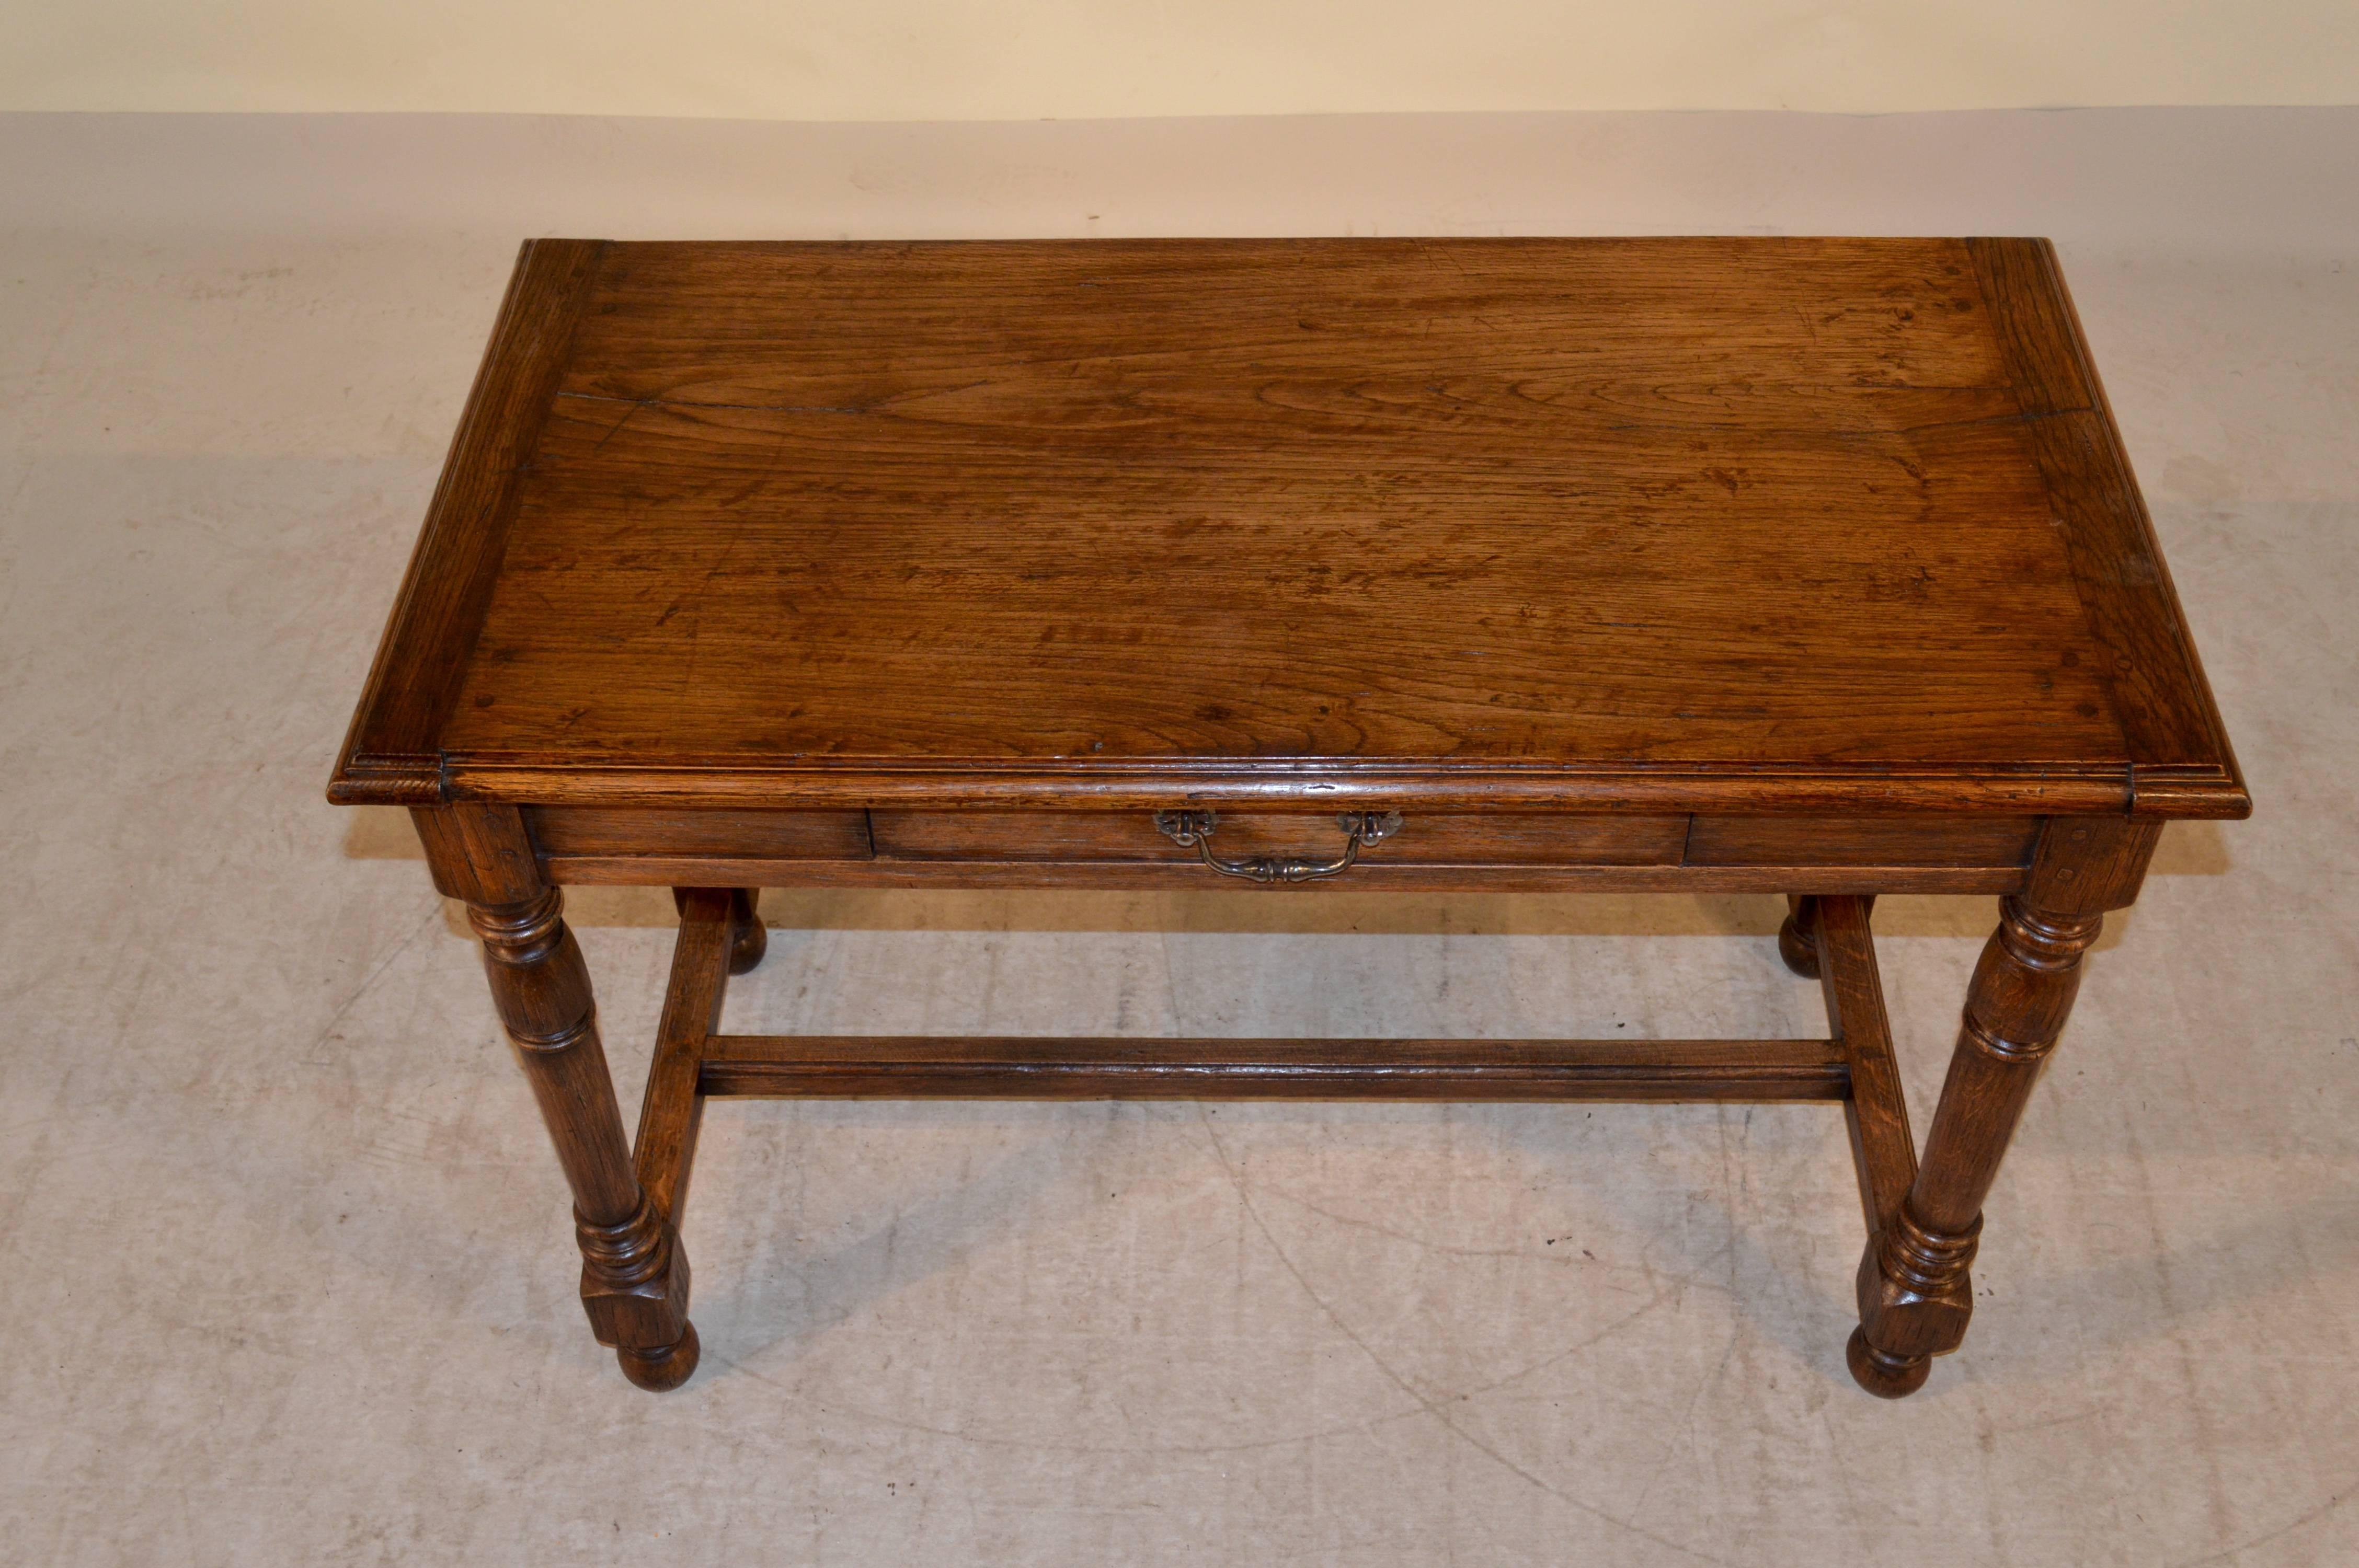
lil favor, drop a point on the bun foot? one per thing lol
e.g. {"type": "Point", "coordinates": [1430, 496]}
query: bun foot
{"type": "Point", "coordinates": [1885, 1376]}
{"type": "Point", "coordinates": [753, 939]}
{"type": "Point", "coordinates": [661, 1371]}
{"type": "Point", "coordinates": [1797, 940]}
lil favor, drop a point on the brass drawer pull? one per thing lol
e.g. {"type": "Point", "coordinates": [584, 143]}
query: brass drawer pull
{"type": "Point", "coordinates": [1194, 829]}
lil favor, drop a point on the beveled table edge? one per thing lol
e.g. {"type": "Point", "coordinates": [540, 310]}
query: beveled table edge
{"type": "Point", "coordinates": [1726, 788]}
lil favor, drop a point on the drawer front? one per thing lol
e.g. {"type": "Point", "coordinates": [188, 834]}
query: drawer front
{"type": "Point", "coordinates": [580, 831]}
{"type": "Point", "coordinates": [1472, 837]}
{"type": "Point", "coordinates": [1986, 841]}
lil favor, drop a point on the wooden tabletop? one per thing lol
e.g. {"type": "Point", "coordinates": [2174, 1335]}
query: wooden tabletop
{"type": "Point", "coordinates": [1691, 524]}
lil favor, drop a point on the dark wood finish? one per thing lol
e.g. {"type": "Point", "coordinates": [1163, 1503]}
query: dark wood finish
{"type": "Point", "coordinates": [1882, 1150]}
{"type": "Point", "coordinates": [673, 1109]}
{"type": "Point", "coordinates": [1915, 1294]}
{"type": "Point", "coordinates": [582, 830]}
{"type": "Point", "coordinates": [2147, 660]}
{"type": "Point", "coordinates": [634, 1275]}
{"type": "Point", "coordinates": [1494, 850]}
{"type": "Point", "coordinates": [393, 753]}
{"type": "Point", "coordinates": [1861, 841]}
{"type": "Point", "coordinates": [1694, 525]}
{"type": "Point", "coordinates": [1798, 941]}
{"type": "Point", "coordinates": [1178, 876]}
{"type": "Point", "coordinates": [753, 939]}
{"type": "Point", "coordinates": [1797, 937]}
{"type": "Point", "coordinates": [1811, 567]}
{"type": "Point", "coordinates": [749, 939]}
{"type": "Point", "coordinates": [1126, 1067]}
{"type": "Point", "coordinates": [1488, 838]}
{"type": "Point", "coordinates": [1652, 788]}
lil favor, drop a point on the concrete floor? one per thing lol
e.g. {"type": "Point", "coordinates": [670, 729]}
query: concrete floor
{"type": "Point", "coordinates": [287, 1263]}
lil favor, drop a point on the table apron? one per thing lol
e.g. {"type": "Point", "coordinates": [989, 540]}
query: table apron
{"type": "Point", "coordinates": [1507, 851]}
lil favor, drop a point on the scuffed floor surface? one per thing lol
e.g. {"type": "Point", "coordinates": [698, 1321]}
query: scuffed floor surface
{"type": "Point", "coordinates": [288, 1273]}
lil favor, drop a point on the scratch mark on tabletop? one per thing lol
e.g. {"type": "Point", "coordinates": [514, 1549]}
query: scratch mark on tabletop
{"type": "Point", "coordinates": [628, 414]}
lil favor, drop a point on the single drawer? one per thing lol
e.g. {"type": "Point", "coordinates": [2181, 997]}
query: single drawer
{"type": "Point", "coordinates": [581, 830]}
{"type": "Point", "coordinates": [1467, 837]}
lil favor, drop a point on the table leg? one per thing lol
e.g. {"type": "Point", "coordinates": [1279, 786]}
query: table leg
{"type": "Point", "coordinates": [1798, 938]}
{"type": "Point", "coordinates": [634, 1275]}
{"type": "Point", "coordinates": [749, 939]}
{"type": "Point", "coordinates": [1914, 1293]}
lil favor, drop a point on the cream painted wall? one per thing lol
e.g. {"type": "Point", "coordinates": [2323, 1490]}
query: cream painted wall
{"type": "Point", "coordinates": [950, 60]}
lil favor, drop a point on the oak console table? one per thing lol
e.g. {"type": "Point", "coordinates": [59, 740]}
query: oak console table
{"type": "Point", "coordinates": [1806, 567]}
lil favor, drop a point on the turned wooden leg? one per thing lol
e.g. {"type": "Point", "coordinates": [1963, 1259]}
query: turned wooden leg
{"type": "Point", "coordinates": [1915, 1291]}
{"type": "Point", "coordinates": [1798, 938]}
{"type": "Point", "coordinates": [635, 1278]}
{"type": "Point", "coordinates": [749, 939]}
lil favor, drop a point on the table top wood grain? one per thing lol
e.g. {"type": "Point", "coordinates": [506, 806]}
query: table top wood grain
{"type": "Point", "coordinates": [1606, 524]}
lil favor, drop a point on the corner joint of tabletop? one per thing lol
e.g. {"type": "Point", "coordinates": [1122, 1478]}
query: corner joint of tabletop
{"type": "Point", "coordinates": [2169, 793]}
{"type": "Point", "coordinates": [361, 780]}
